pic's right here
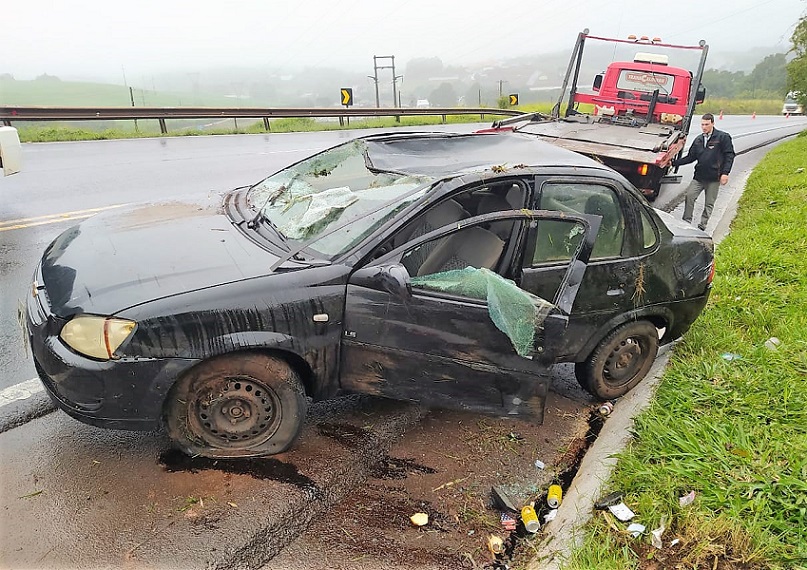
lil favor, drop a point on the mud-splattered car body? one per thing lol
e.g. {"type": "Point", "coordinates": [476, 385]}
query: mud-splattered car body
{"type": "Point", "coordinates": [335, 280]}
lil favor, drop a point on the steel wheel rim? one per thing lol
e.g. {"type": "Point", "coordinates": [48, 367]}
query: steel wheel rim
{"type": "Point", "coordinates": [238, 412]}
{"type": "Point", "coordinates": [624, 361]}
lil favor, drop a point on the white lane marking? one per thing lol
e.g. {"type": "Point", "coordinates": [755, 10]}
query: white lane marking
{"type": "Point", "coordinates": [21, 391]}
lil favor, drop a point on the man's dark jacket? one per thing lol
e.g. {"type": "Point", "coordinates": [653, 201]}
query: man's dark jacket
{"type": "Point", "coordinates": [714, 160]}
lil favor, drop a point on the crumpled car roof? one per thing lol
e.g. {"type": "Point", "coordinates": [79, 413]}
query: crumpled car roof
{"type": "Point", "coordinates": [440, 154]}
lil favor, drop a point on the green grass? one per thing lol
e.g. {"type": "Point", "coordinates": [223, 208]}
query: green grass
{"type": "Point", "coordinates": [734, 431]}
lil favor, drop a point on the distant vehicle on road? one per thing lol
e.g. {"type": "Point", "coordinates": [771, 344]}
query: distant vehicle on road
{"type": "Point", "coordinates": [422, 104]}
{"type": "Point", "coordinates": [451, 270]}
{"type": "Point", "coordinates": [791, 105]}
{"type": "Point", "coordinates": [10, 151]}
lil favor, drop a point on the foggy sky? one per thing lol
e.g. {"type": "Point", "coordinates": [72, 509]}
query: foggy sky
{"type": "Point", "coordinates": [106, 38]}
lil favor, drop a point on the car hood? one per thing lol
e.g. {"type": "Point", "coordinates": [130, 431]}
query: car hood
{"type": "Point", "coordinates": [120, 259]}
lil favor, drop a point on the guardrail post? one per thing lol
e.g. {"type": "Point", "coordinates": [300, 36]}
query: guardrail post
{"type": "Point", "coordinates": [341, 121]}
{"type": "Point", "coordinates": [163, 128]}
{"type": "Point", "coordinates": [6, 122]}
{"type": "Point", "coordinates": [444, 119]}
{"type": "Point", "coordinates": [235, 122]}
{"type": "Point", "coordinates": [266, 124]}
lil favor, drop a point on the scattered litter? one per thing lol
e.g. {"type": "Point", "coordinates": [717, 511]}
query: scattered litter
{"type": "Point", "coordinates": [233, 505]}
{"type": "Point", "coordinates": [605, 408]}
{"type": "Point", "coordinates": [730, 356]}
{"type": "Point", "coordinates": [419, 519]}
{"type": "Point", "coordinates": [96, 462]}
{"type": "Point", "coordinates": [608, 500]}
{"type": "Point", "coordinates": [471, 532]}
{"type": "Point", "coordinates": [621, 511]}
{"type": "Point", "coordinates": [675, 541]}
{"type": "Point", "coordinates": [449, 484]}
{"type": "Point", "coordinates": [539, 464]}
{"type": "Point", "coordinates": [687, 499]}
{"type": "Point", "coordinates": [495, 544]}
{"type": "Point", "coordinates": [772, 343]}
{"type": "Point", "coordinates": [635, 529]}
{"type": "Point", "coordinates": [554, 496]}
{"type": "Point", "coordinates": [29, 495]}
{"type": "Point", "coordinates": [530, 519]}
{"type": "Point", "coordinates": [501, 500]}
{"type": "Point", "coordinates": [799, 170]}
{"type": "Point", "coordinates": [655, 537]}
{"type": "Point", "coordinates": [508, 522]}
{"type": "Point", "coordinates": [550, 516]}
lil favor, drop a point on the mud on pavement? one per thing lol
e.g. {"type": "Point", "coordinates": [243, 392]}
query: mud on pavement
{"type": "Point", "coordinates": [446, 467]}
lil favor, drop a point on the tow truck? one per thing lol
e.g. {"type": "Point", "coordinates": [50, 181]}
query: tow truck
{"type": "Point", "coordinates": [637, 113]}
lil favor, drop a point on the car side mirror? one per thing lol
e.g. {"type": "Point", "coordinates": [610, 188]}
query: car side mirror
{"type": "Point", "coordinates": [597, 82]}
{"type": "Point", "coordinates": [700, 94]}
{"type": "Point", "coordinates": [393, 278]}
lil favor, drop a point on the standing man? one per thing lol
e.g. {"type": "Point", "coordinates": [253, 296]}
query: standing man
{"type": "Point", "coordinates": [714, 152]}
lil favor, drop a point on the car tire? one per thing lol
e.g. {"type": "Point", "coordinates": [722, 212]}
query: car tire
{"type": "Point", "coordinates": [246, 405]}
{"type": "Point", "coordinates": [620, 361]}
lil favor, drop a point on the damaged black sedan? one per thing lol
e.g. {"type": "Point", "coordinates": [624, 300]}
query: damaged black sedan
{"type": "Point", "coordinates": [451, 270]}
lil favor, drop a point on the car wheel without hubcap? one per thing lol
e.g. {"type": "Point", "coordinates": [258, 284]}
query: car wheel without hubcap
{"type": "Point", "coordinates": [620, 361]}
{"type": "Point", "coordinates": [236, 406]}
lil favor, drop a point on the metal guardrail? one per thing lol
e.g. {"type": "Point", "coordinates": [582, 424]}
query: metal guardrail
{"type": "Point", "coordinates": [17, 114]}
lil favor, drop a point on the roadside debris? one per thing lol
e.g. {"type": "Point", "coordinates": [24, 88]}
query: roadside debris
{"type": "Point", "coordinates": [773, 343]}
{"type": "Point", "coordinates": [508, 522]}
{"type": "Point", "coordinates": [539, 464]}
{"type": "Point", "coordinates": [729, 356]}
{"type": "Point", "coordinates": [419, 519]}
{"type": "Point", "coordinates": [554, 496]}
{"type": "Point", "coordinates": [501, 500]}
{"type": "Point", "coordinates": [530, 519]}
{"type": "Point", "coordinates": [687, 499]}
{"type": "Point", "coordinates": [636, 529]}
{"type": "Point", "coordinates": [621, 511]}
{"type": "Point", "coordinates": [656, 533]}
{"type": "Point", "coordinates": [605, 409]}
{"type": "Point", "coordinates": [550, 516]}
{"type": "Point", "coordinates": [608, 500]}
{"type": "Point", "coordinates": [495, 544]}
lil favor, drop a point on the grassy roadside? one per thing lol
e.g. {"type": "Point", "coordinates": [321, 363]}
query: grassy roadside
{"type": "Point", "coordinates": [731, 428]}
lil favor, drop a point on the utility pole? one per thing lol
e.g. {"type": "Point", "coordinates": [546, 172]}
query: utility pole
{"type": "Point", "coordinates": [395, 78]}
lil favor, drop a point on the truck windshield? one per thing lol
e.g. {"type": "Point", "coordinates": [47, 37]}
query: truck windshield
{"type": "Point", "coordinates": [312, 197]}
{"type": "Point", "coordinates": [647, 81]}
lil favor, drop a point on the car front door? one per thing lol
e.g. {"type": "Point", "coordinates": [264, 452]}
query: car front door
{"type": "Point", "coordinates": [422, 328]}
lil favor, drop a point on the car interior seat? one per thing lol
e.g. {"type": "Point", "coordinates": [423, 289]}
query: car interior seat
{"type": "Point", "coordinates": [443, 214]}
{"type": "Point", "coordinates": [474, 247]}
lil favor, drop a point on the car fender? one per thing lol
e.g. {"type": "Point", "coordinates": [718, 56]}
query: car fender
{"type": "Point", "coordinates": [661, 317]}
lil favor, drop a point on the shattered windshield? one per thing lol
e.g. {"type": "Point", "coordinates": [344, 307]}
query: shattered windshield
{"type": "Point", "coordinates": [308, 200]}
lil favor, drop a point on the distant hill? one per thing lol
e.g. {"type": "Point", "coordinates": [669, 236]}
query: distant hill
{"type": "Point", "coordinates": [48, 90]}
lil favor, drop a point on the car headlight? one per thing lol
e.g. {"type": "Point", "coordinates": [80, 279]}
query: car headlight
{"type": "Point", "coordinates": [96, 337]}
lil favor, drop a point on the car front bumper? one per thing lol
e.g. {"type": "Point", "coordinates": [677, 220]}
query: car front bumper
{"type": "Point", "coordinates": [120, 394]}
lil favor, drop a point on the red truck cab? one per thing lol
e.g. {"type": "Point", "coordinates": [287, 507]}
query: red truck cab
{"type": "Point", "coordinates": [628, 88]}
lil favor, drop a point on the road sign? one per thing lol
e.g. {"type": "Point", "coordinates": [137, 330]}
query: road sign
{"type": "Point", "coordinates": [513, 99]}
{"type": "Point", "coordinates": [347, 96]}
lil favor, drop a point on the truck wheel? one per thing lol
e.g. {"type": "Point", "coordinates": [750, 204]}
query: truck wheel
{"type": "Point", "coordinates": [236, 406]}
{"type": "Point", "coordinates": [620, 361]}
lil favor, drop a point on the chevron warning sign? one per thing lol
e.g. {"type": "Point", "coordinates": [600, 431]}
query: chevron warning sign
{"type": "Point", "coordinates": [513, 99]}
{"type": "Point", "coordinates": [347, 96]}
